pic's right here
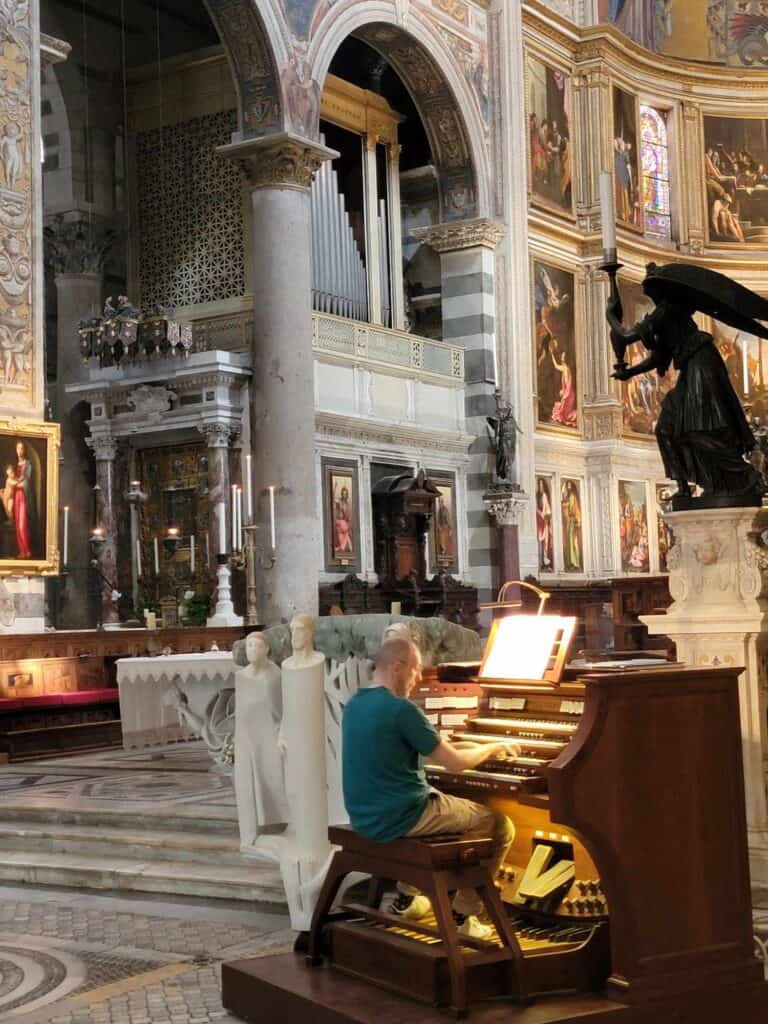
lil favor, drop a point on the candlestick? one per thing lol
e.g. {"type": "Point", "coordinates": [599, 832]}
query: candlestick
{"type": "Point", "coordinates": [157, 556]}
{"type": "Point", "coordinates": [233, 508]}
{"type": "Point", "coordinates": [66, 535]}
{"type": "Point", "coordinates": [192, 554]}
{"type": "Point", "coordinates": [249, 488]}
{"type": "Point", "coordinates": [608, 216]}
{"type": "Point", "coordinates": [221, 514]}
{"type": "Point", "coordinates": [272, 519]}
{"type": "Point", "coordinates": [138, 558]}
{"type": "Point", "coordinates": [173, 532]}
{"type": "Point", "coordinates": [239, 518]}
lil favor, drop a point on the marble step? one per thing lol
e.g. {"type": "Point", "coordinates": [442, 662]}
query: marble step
{"type": "Point", "coordinates": [255, 882]}
{"type": "Point", "coordinates": [223, 823]}
{"type": "Point", "coordinates": [106, 842]}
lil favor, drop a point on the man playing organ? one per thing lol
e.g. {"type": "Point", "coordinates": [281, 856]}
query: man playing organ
{"type": "Point", "coordinates": [386, 793]}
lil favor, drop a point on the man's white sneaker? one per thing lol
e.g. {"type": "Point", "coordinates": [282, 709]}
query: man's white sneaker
{"type": "Point", "coordinates": [411, 908]}
{"type": "Point", "coordinates": [472, 928]}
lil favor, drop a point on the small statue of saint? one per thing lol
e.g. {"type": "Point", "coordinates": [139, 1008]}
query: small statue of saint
{"type": "Point", "coordinates": [503, 429]}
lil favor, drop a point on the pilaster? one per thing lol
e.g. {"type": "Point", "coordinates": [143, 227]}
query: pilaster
{"type": "Point", "coordinates": [104, 449]}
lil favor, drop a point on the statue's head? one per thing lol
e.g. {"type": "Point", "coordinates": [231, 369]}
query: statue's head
{"type": "Point", "coordinates": [256, 649]}
{"type": "Point", "coordinates": [302, 633]}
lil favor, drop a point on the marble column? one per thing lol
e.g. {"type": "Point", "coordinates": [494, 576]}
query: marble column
{"type": "Point", "coordinates": [280, 170]}
{"type": "Point", "coordinates": [506, 506]}
{"type": "Point", "coordinates": [217, 438]}
{"type": "Point", "coordinates": [77, 296]}
{"type": "Point", "coordinates": [105, 451]}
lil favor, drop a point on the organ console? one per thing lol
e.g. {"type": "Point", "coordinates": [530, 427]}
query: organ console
{"type": "Point", "coordinates": [628, 879]}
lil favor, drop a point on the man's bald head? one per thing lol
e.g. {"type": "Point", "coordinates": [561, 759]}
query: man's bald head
{"type": "Point", "coordinates": [398, 665]}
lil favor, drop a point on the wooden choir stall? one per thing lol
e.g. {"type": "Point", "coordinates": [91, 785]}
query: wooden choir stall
{"type": "Point", "coordinates": [627, 886]}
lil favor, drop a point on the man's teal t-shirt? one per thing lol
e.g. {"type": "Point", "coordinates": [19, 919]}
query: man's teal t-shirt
{"type": "Point", "coordinates": [385, 789]}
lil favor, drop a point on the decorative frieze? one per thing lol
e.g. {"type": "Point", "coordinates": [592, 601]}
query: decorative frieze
{"type": "Point", "coordinates": [466, 234]}
{"type": "Point", "coordinates": [279, 161]}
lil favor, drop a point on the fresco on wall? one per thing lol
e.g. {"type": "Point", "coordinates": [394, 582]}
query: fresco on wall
{"type": "Point", "coordinates": [626, 164]}
{"type": "Point", "coordinates": [633, 526]}
{"type": "Point", "coordinates": [573, 537]}
{"type": "Point", "coordinates": [641, 397]}
{"type": "Point", "coordinates": [555, 343]}
{"type": "Point", "coordinates": [731, 32]}
{"type": "Point", "coordinates": [464, 30]}
{"type": "Point", "coordinates": [736, 176]}
{"type": "Point", "coordinates": [549, 144]}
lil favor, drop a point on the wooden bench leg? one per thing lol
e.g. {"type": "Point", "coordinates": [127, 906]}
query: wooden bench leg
{"type": "Point", "coordinates": [495, 907]}
{"type": "Point", "coordinates": [376, 890]}
{"type": "Point", "coordinates": [441, 905]}
{"type": "Point", "coordinates": [337, 872]}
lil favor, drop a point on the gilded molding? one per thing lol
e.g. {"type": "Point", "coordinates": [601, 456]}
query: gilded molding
{"type": "Point", "coordinates": [279, 161]}
{"type": "Point", "coordinates": [466, 234]}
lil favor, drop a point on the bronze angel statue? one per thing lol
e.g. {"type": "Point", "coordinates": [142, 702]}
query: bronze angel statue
{"type": "Point", "coordinates": [702, 431]}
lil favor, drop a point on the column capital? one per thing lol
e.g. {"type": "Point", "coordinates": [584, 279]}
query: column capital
{"type": "Point", "coordinates": [506, 504]}
{"type": "Point", "coordinates": [217, 435]}
{"type": "Point", "coordinates": [76, 246]}
{"type": "Point", "coordinates": [481, 232]}
{"type": "Point", "coordinates": [104, 448]}
{"type": "Point", "coordinates": [283, 160]}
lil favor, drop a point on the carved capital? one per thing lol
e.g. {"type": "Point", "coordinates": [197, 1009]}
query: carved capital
{"type": "Point", "coordinates": [103, 448]}
{"type": "Point", "coordinates": [75, 246]}
{"type": "Point", "coordinates": [217, 435]}
{"type": "Point", "coordinates": [506, 505]}
{"type": "Point", "coordinates": [463, 234]}
{"type": "Point", "coordinates": [279, 161]}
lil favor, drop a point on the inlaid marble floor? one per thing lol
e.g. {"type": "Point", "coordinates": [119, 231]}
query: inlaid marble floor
{"type": "Point", "coordinates": [73, 958]}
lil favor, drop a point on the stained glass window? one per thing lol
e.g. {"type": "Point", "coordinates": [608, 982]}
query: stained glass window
{"type": "Point", "coordinates": [654, 158]}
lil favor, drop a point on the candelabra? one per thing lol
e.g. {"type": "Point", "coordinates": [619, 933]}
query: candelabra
{"type": "Point", "coordinates": [224, 612]}
{"type": "Point", "coordinates": [252, 557]}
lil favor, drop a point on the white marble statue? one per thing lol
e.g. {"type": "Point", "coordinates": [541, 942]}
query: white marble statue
{"type": "Point", "coordinates": [259, 773]}
{"type": "Point", "coordinates": [305, 857]}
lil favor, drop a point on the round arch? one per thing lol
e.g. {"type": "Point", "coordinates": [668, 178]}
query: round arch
{"type": "Point", "coordinates": [441, 95]}
{"type": "Point", "coordinates": [255, 52]}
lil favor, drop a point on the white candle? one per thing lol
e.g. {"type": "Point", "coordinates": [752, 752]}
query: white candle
{"type": "Point", "coordinates": [192, 554]}
{"type": "Point", "coordinates": [221, 513]}
{"type": "Point", "coordinates": [745, 364]}
{"type": "Point", "coordinates": [66, 535]}
{"type": "Point", "coordinates": [138, 558]}
{"type": "Point", "coordinates": [608, 212]}
{"type": "Point", "coordinates": [249, 488]}
{"type": "Point", "coordinates": [157, 557]}
{"type": "Point", "coordinates": [272, 520]}
{"type": "Point", "coordinates": [233, 508]}
{"type": "Point", "coordinates": [239, 518]}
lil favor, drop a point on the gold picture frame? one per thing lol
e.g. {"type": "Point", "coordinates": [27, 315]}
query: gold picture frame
{"type": "Point", "coordinates": [549, 160]}
{"type": "Point", "coordinates": [29, 498]}
{"type": "Point", "coordinates": [555, 315]}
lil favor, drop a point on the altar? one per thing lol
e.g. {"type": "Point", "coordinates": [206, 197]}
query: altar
{"type": "Point", "coordinates": [149, 692]}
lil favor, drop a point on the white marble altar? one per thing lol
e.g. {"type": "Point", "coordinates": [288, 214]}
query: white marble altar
{"type": "Point", "coordinates": [148, 693]}
{"type": "Point", "coordinates": [719, 616]}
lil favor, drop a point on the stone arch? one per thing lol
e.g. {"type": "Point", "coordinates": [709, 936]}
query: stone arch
{"type": "Point", "coordinates": [441, 95]}
{"type": "Point", "coordinates": [254, 54]}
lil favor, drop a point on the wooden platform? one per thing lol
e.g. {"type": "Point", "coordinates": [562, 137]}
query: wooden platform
{"type": "Point", "coordinates": [284, 988]}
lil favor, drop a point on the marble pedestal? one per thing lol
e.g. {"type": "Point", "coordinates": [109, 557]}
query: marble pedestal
{"type": "Point", "coordinates": [718, 580]}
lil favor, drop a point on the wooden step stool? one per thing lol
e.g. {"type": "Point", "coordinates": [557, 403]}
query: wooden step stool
{"type": "Point", "coordinates": [436, 866]}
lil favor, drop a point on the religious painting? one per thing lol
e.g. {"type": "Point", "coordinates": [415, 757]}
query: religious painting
{"type": "Point", "coordinates": [736, 180]}
{"type": "Point", "coordinates": [663, 532]}
{"type": "Point", "coordinates": [549, 143]}
{"type": "Point", "coordinates": [641, 396]}
{"type": "Point", "coordinates": [626, 160]}
{"type": "Point", "coordinates": [544, 532]}
{"type": "Point", "coordinates": [557, 403]}
{"type": "Point", "coordinates": [444, 548]}
{"type": "Point", "coordinates": [341, 519]}
{"type": "Point", "coordinates": [572, 522]}
{"type": "Point", "coordinates": [29, 498]}
{"type": "Point", "coordinates": [633, 526]}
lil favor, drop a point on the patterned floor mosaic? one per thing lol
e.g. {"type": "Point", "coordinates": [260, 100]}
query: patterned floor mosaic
{"type": "Point", "coordinates": [75, 958]}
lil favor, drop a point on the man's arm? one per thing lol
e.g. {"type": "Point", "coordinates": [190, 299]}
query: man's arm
{"type": "Point", "coordinates": [456, 757]}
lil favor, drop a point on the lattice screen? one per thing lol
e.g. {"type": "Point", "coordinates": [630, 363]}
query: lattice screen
{"type": "Point", "coordinates": [190, 224]}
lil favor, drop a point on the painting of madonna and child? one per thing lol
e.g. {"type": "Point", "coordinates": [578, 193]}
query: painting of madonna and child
{"type": "Point", "coordinates": [555, 341]}
{"type": "Point", "coordinates": [28, 495]}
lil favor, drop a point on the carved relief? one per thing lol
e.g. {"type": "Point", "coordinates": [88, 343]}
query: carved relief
{"type": "Point", "coordinates": [151, 402]}
{"type": "Point", "coordinates": [17, 356]}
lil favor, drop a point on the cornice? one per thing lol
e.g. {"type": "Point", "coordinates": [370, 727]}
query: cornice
{"type": "Point", "coordinates": [482, 232]}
